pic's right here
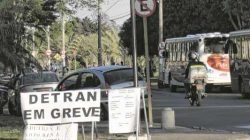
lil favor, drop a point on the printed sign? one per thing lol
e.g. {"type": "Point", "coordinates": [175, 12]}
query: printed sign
{"type": "Point", "coordinates": [60, 107]}
{"type": "Point", "coordinates": [145, 8]}
{"type": "Point", "coordinates": [219, 62]}
{"type": "Point", "coordinates": [123, 104]}
{"type": "Point", "coordinates": [54, 132]}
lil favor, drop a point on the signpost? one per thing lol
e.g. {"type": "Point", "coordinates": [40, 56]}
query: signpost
{"type": "Point", "coordinates": [146, 8]}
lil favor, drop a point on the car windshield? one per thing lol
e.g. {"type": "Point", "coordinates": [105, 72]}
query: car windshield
{"type": "Point", "coordinates": [120, 76]}
{"type": "Point", "coordinates": [215, 45]}
{"type": "Point", "coordinates": [39, 78]}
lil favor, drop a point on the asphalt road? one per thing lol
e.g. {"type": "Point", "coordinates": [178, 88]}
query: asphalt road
{"type": "Point", "coordinates": [219, 111]}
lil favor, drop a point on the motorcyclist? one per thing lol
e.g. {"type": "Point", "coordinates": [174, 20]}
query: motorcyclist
{"type": "Point", "coordinates": [193, 60]}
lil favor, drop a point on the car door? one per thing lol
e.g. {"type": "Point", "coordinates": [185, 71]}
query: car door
{"type": "Point", "coordinates": [69, 83]}
{"type": "Point", "coordinates": [89, 80]}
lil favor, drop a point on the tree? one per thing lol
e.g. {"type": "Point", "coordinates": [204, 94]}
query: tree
{"type": "Point", "coordinates": [238, 12]}
{"type": "Point", "coordinates": [14, 16]}
{"type": "Point", "coordinates": [181, 17]}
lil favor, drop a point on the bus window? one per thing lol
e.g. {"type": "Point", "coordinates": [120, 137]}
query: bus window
{"type": "Point", "coordinates": [178, 52]}
{"type": "Point", "coordinates": [231, 47]}
{"type": "Point", "coordinates": [214, 45]}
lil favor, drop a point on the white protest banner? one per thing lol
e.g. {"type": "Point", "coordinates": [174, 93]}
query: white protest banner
{"type": "Point", "coordinates": [123, 105]}
{"type": "Point", "coordinates": [53, 132]}
{"type": "Point", "coordinates": [61, 107]}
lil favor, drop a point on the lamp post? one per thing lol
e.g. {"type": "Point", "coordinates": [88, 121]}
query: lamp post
{"type": "Point", "coordinates": [48, 51]}
{"type": "Point", "coordinates": [99, 36]}
{"type": "Point", "coordinates": [33, 41]}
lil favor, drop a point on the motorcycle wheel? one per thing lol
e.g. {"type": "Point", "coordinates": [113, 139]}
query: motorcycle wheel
{"type": "Point", "coordinates": [192, 102]}
{"type": "Point", "coordinates": [192, 99]}
{"type": "Point", "coordinates": [198, 102]}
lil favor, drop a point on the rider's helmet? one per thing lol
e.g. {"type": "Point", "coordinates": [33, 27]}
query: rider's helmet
{"type": "Point", "coordinates": [193, 56]}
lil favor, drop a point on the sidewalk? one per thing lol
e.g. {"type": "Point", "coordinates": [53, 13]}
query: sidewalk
{"type": "Point", "coordinates": [177, 133]}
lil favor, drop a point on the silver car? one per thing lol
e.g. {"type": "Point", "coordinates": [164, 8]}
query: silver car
{"type": "Point", "coordinates": [30, 82]}
{"type": "Point", "coordinates": [104, 77]}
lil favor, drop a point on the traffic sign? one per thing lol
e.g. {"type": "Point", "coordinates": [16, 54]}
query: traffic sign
{"type": "Point", "coordinates": [48, 52]}
{"type": "Point", "coordinates": [145, 8]}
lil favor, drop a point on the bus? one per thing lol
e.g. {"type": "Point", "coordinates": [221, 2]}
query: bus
{"type": "Point", "coordinates": [211, 50]}
{"type": "Point", "coordinates": [238, 47]}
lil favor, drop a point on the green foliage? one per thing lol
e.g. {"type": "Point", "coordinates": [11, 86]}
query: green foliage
{"type": "Point", "coordinates": [181, 17]}
{"type": "Point", "coordinates": [238, 12]}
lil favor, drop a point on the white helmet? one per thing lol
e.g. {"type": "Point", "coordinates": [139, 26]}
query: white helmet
{"type": "Point", "coordinates": [193, 56]}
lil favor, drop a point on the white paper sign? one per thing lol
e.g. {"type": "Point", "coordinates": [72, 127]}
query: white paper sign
{"type": "Point", "coordinates": [54, 132]}
{"type": "Point", "coordinates": [61, 107]}
{"type": "Point", "coordinates": [123, 105]}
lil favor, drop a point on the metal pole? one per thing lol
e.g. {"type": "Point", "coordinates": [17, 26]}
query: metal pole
{"type": "Point", "coordinates": [132, 2]}
{"type": "Point", "coordinates": [75, 61]}
{"type": "Point", "coordinates": [33, 41]}
{"type": "Point", "coordinates": [145, 114]}
{"type": "Point", "coordinates": [63, 40]}
{"type": "Point", "coordinates": [147, 72]}
{"type": "Point", "coordinates": [92, 131]}
{"type": "Point", "coordinates": [132, 8]}
{"type": "Point", "coordinates": [99, 36]}
{"type": "Point", "coordinates": [63, 45]}
{"type": "Point", "coordinates": [160, 21]}
{"type": "Point", "coordinates": [83, 132]}
{"type": "Point", "coordinates": [48, 39]}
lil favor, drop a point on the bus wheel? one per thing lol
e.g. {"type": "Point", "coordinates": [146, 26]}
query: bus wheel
{"type": "Point", "coordinates": [160, 84]}
{"type": "Point", "coordinates": [242, 90]}
{"type": "Point", "coordinates": [172, 87]}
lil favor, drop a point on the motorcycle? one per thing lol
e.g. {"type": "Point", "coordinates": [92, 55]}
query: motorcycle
{"type": "Point", "coordinates": [197, 82]}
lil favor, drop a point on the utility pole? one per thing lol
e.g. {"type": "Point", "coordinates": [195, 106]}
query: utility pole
{"type": "Point", "coordinates": [160, 21]}
{"type": "Point", "coordinates": [133, 17]}
{"type": "Point", "coordinates": [33, 41]}
{"type": "Point", "coordinates": [63, 40]}
{"type": "Point", "coordinates": [99, 36]}
{"type": "Point", "coordinates": [48, 39]}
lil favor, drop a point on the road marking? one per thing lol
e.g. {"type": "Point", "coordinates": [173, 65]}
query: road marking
{"type": "Point", "coordinates": [205, 107]}
{"type": "Point", "coordinates": [245, 126]}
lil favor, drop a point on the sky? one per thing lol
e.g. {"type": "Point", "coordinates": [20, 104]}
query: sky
{"type": "Point", "coordinates": [117, 10]}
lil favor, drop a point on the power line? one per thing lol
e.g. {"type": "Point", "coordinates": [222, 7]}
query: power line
{"type": "Point", "coordinates": [112, 6]}
{"type": "Point", "coordinates": [121, 14]}
{"type": "Point", "coordinates": [120, 17]}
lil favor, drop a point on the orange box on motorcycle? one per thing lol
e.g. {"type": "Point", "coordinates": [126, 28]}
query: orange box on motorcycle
{"type": "Point", "coordinates": [197, 72]}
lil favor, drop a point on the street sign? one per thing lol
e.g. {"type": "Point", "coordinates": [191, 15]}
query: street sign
{"type": "Point", "coordinates": [48, 52]}
{"type": "Point", "coordinates": [145, 8]}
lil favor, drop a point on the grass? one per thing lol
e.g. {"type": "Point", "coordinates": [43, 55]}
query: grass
{"type": "Point", "coordinates": [10, 134]}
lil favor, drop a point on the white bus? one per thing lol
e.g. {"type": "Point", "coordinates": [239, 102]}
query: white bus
{"type": "Point", "coordinates": [239, 53]}
{"type": "Point", "coordinates": [211, 50]}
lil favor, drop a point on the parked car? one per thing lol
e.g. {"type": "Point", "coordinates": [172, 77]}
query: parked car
{"type": "Point", "coordinates": [30, 82]}
{"type": "Point", "coordinates": [103, 77]}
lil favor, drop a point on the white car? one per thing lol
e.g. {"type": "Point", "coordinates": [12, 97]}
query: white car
{"type": "Point", "coordinates": [103, 77]}
{"type": "Point", "coordinates": [30, 82]}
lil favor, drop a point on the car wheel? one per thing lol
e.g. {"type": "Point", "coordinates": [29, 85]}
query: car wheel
{"type": "Point", "coordinates": [103, 114]}
{"type": "Point", "coordinates": [172, 87]}
{"type": "Point", "coordinates": [11, 108]}
{"type": "Point", "coordinates": [142, 114]}
{"type": "Point", "coordinates": [18, 110]}
{"type": "Point", "coordinates": [242, 90]}
{"type": "Point", "coordinates": [160, 84]}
